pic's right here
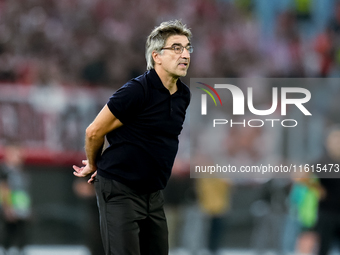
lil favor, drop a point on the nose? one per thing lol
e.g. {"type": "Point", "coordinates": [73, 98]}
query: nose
{"type": "Point", "coordinates": [185, 53]}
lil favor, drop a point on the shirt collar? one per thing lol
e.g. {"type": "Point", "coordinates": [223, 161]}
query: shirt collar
{"type": "Point", "coordinates": [157, 83]}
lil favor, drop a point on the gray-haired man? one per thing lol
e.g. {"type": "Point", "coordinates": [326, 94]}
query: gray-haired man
{"type": "Point", "coordinates": [142, 122]}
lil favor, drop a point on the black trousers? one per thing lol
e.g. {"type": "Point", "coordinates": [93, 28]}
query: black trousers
{"type": "Point", "coordinates": [15, 234]}
{"type": "Point", "coordinates": [328, 229]}
{"type": "Point", "coordinates": [131, 223]}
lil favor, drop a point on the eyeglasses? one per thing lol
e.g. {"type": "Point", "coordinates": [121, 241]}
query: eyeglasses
{"type": "Point", "coordinates": [178, 49]}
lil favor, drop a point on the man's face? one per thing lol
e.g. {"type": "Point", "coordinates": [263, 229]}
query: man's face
{"type": "Point", "coordinates": [176, 65]}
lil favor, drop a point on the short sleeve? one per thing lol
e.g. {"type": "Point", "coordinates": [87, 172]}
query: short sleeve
{"type": "Point", "coordinates": [127, 101]}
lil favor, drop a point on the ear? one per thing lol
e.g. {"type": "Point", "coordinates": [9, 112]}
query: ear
{"type": "Point", "coordinates": [156, 57]}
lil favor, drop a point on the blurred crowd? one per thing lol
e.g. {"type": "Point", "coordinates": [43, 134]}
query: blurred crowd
{"type": "Point", "coordinates": [102, 42]}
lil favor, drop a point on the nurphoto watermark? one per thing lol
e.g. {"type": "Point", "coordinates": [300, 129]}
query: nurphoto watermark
{"type": "Point", "coordinates": [257, 127]}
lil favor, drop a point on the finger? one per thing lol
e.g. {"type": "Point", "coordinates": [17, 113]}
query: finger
{"type": "Point", "coordinates": [78, 174]}
{"type": "Point", "coordinates": [91, 180]}
{"type": "Point", "coordinates": [78, 171]}
{"type": "Point", "coordinates": [77, 168]}
{"type": "Point", "coordinates": [85, 161]}
{"type": "Point", "coordinates": [94, 174]}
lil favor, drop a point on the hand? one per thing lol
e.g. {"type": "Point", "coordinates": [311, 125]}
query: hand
{"type": "Point", "coordinates": [91, 180]}
{"type": "Point", "coordinates": [85, 170]}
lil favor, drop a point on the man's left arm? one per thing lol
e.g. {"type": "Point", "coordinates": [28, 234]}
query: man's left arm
{"type": "Point", "coordinates": [104, 123]}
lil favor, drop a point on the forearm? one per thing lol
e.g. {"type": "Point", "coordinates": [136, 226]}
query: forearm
{"type": "Point", "coordinates": [104, 123]}
{"type": "Point", "coordinates": [93, 146]}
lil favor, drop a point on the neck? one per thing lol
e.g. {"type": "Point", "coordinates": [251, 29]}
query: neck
{"type": "Point", "coordinates": [170, 82]}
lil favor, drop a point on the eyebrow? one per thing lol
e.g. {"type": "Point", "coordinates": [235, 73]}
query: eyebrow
{"type": "Point", "coordinates": [179, 44]}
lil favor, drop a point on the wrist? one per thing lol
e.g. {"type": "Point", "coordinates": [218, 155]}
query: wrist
{"type": "Point", "coordinates": [93, 167]}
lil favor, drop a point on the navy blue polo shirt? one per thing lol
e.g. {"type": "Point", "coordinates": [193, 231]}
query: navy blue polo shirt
{"type": "Point", "coordinates": [141, 153]}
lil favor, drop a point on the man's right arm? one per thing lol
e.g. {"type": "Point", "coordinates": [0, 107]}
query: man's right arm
{"type": "Point", "coordinates": [104, 123]}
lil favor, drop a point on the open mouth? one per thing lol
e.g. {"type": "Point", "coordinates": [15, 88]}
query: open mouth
{"type": "Point", "coordinates": [183, 64]}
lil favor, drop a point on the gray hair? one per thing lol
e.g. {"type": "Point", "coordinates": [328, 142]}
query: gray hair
{"type": "Point", "coordinates": [157, 38]}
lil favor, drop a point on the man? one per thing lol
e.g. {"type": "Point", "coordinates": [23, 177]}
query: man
{"type": "Point", "coordinates": [327, 169]}
{"type": "Point", "coordinates": [141, 122]}
{"type": "Point", "coordinates": [15, 202]}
